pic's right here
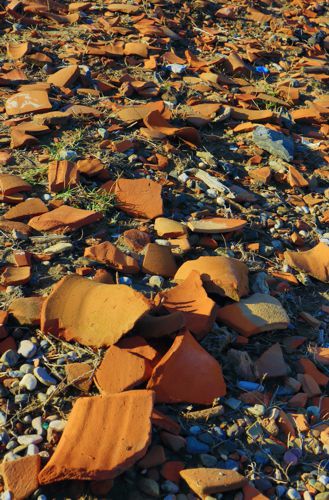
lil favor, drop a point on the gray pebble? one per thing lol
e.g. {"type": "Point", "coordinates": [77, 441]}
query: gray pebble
{"type": "Point", "coordinates": [27, 349]}
{"type": "Point", "coordinates": [169, 487]}
{"type": "Point", "coordinates": [29, 382]}
{"type": "Point", "coordinates": [37, 425]}
{"type": "Point", "coordinates": [43, 376]}
{"type": "Point", "coordinates": [32, 449]}
{"type": "Point", "coordinates": [10, 358]}
{"type": "Point", "coordinates": [149, 487]}
{"type": "Point", "coordinates": [293, 494]}
{"type": "Point", "coordinates": [27, 439]}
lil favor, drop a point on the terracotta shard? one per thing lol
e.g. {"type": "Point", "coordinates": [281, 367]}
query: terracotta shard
{"type": "Point", "coordinates": [33, 101]}
{"type": "Point", "coordinates": [64, 219]}
{"type": "Point", "coordinates": [322, 355]}
{"type": "Point", "coordinates": [159, 260]}
{"type": "Point", "coordinates": [18, 50]}
{"type": "Point", "coordinates": [168, 228]}
{"type": "Point", "coordinates": [27, 310]}
{"type": "Point", "coordinates": [295, 178]}
{"type": "Point", "coordinates": [191, 299]}
{"type": "Point", "coordinates": [258, 313]}
{"type": "Point", "coordinates": [187, 373]}
{"type": "Point", "coordinates": [16, 276]}
{"type": "Point", "coordinates": [139, 197]}
{"type": "Point", "coordinates": [314, 262]}
{"type": "Point", "coordinates": [125, 365]}
{"type": "Point", "coordinates": [222, 275]}
{"type": "Point", "coordinates": [120, 423]}
{"type": "Point", "coordinates": [27, 209]}
{"type": "Point", "coordinates": [216, 225]}
{"type": "Point", "coordinates": [11, 184]}
{"type": "Point", "coordinates": [136, 240]}
{"type": "Point", "coordinates": [61, 175]}
{"type": "Point", "coordinates": [152, 327]}
{"type": "Point", "coordinates": [92, 167]}
{"type": "Point", "coordinates": [94, 314]}
{"type": "Point", "coordinates": [206, 482]}
{"type": "Point", "coordinates": [109, 254]}
{"type": "Point", "coordinates": [21, 476]}
{"type": "Point", "coordinates": [64, 77]}
{"type": "Point", "coordinates": [271, 363]}
{"type": "Point", "coordinates": [79, 375]}
{"type": "Point", "coordinates": [307, 366]}
{"type": "Point", "coordinates": [9, 226]}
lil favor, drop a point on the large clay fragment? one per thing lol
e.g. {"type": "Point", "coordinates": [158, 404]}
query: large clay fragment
{"type": "Point", "coordinates": [216, 225]}
{"type": "Point", "coordinates": [187, 373]}
{"type": "Point", "coordinates": [139, 197]}
{"type": "Point", "coordinates": [10, 184]}
{"type": "Point", "coordinates": [125, 365]}
{"type": "Point", "coordinates": [192, 300]}
{"type": "Point", "coordinates": [27, 209]}
{"type": "Point", "coordinates": [222, 275]}
{"type": "Point", "coordinates": [109, 254]}
{"type": "Point", "coordinates": [314, 262]}
{"type": "Point", "coordinates": [104, 436]}
{"type": "Point", "coordinates": [33, 101]}
{"type": "Point", "coordinates": [61, 175]}
{"type": "Point", "coordinates": [21, 476]}
{"type": "Point", "coordinates": [64, 219]}
{"type": "Point", "coordinates": [94, 314]}
{"type": "Point", "coordinates": [258, 313]}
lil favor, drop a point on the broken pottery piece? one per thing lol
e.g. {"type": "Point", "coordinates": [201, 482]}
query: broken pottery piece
{"type": "Point", "coordinates": [62, 175]}
{"type": "Point", "coordinates": [271, 363]}
{"type": "Point", "coordinates": [187, 373]}
{"type": "Point", "coordinates": [159, 260]}
{"type": "Point", "coordinates": [125, 365]}
{"type": "Point", "coordinates": [205, 482]}
{"type": "Point", "coordinates": [191, 299]}
{"type": "Point", "coordinates": [153, 327]}
{"type": "Point", "coordinates": [120, 423]}
{"type": "Point", "coordinates": [33, 101]}
{"type": "Point", "coordinates": [216, 225]}
{"type": "Point", "coordinates": [16, 275]}
{"type": "Point", "coordinates": [136, 240]}
{"type": "Point", "coordinates": [139, 197]}
{"type": "Point", "coordinates": [255, 314]}
{"type": "Point", "coordinates": [11, 184]}
{"type": "Point", "coordinates": [168, 228]}
{"type": "Point", "coordinates": [79, 375]}
{"type": "Point", "coordinates": [109, 254]}
{"type": "Point", "coordinates": [222, 275]}
{"type": "Point", "coordinates": [94, 314]}
{"type": "Point", "coordinates": [27, 310]}
{"type": "Point", "coordinates": [21, 476]}
{"type": "Point", "coordinates": [27, 209]}
{"type": "Point", "coordinates": [314, 262]}
{"type": "Point", "coordinates": [65, 76]}
{"type": "Point", "coordinates": [64, 219]}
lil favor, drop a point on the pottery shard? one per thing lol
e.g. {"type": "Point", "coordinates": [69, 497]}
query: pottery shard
{"type": "Point", "coordinates": [191, 299]}
{"type": "Point", "coordinates": [168, 228]}
{"type": "Point", "coordinates": [216, 225]}
{"type": "Point", "coordinates": [10, 184]}
{"type": "Point", "coordinates": [79, 375]}
{"type": "Point", "coordinates": [33, 101]}
{"type": "Point", "coordinates": [9, 226]}
{"type": "Point", "coordinates": [187, 373]}
{"type": "Point", "coordinates": [27, 310]}
{"type": "Point", "coordinates": [21, 476]}
{"type": "Point", "coordinates": [258, 313]}
{"type": "Point", "coordinates": [314, 262]}
{"type": "Point", "coordinates": [159, 260]}
{"type": "Point", "coordinates": [104, 436]}
{"type": "Point", "coordinates": [125, 365]}
{"type": "Point", "coordinates": [136, 240]}
{"type": "Point", "coordinates": [27, 209]}
{"type": "Point", "coordinates": [222, 275]}
{"type": "Point", "coordinates": [139, 197]}
{"type": "Point", "coordinates": [64, 77]}
{"type": "Point", "coordinates": [94, 314]}
{"type": "Point", "coordinates": [271, 363]}
{"type": "Point", "coordinates": [108, 254]}
{"type": "Point", "coordinates": [206, 482]}
{"type": "Point", "coordinates": [16, 275]}
{"type": "Point", "coordinates": [64, 219]}
{"type": "Point", "coordinates": [61, 175]}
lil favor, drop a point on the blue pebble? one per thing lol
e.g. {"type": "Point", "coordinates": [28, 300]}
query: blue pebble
{"type": "Point", "coordinates": [195, 446]}
{"type": "Point", "coordinates": [260, 458]}
{"type": "Point", "coordinates": [195, 429]}
{"type": "Point", "coordinates": [220, 433]}
{"type": "Point", "coordinates": [231, 464]}
{"type": "Point", "coordinates": [262, 69]}
{"type": "Point", "coordinates": [245, 385]}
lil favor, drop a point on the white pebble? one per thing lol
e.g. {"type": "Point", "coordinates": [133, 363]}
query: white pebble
{"type": "Point", "coordinates": [27, 349]}
{"type": "Point", "coordinates": [28, 439]}
{"type": "Point", "coordinates": [32, 449]}
{"type": "Point", "coordinates": [29, 382]}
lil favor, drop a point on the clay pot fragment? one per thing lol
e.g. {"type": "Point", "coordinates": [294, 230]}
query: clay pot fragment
{"type": "Point", "coordinates": [120, 423]}
{"type": "Point", "coordinates": [216, 225]}
{"type": "Point", "coordinates": [64, 219]}
{"type": "Point", "coordinates": [33, 101]}
{"type": "Point", "coordinates": [187, 373]}
{"type": "Point", "coordinates": [109, 254]}
{"type": "Point", "coordinates": [27, 209]}
{"type": "Point", "coordinates": [205, 482]}
{"type": "Point", "coordinates": [222, 275]}
{"type": "Point", "coordinates": [94, 314]}
{"type": "Point", "coordinates": [314, 262]}
{"type": "Point", "coordinates": [139, 197]}
{"type": "Point", "coordinates": [159, 260]}
{"type": "Point", "coordinates": [21, 476]}
{"type": "Point", "coordinates": [61, 175]}
{"type": "Point", "coordinates": [65, 76]}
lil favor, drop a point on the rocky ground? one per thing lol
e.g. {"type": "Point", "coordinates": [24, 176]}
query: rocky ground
{"type": "Point", "coordinates": [164, 250]}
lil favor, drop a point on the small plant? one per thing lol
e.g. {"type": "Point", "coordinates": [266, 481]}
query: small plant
{"type": "Point", "coordinates": [88, 198]}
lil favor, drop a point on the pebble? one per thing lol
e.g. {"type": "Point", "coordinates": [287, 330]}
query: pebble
{"type": "Point", "coordinates": [21, 399]}
{"type": "Point", "coordinates": [10, 358]}
{"type": "Point", "coordinates": [208, 460]}
{"type": "Point", "coordinates": [257, 410]}
{"type": "Point", "coordinates": [58, 248]}
{"type": "Point", "coordinates": [293, 494]}
{"type": "Point", "coordinates": [245, 385]}
{"type": "Point", "coordinates": [307, 495]}
{"type": "Point", "coordinates": [37, 425]}
{"type": "Point", "coordinates": [27, 349]}
{"type": "Point", "coordinates": [324, 480]}
{"type": "Point", "coordinates": [280, 490]}
{"type": "Point", "coordinates": [3, 418]}
{"type": "Point", "coordinates": [322, 496]}
{"type": "Point", "coordinates": [32, 449]}
{"type": "Point", "coordinates": [43, 376]}
{"type": "Point", "coordinates": [169, 487]}
{"type": "Point", "coordinates": [29, 382]}
{"type": "Point", "coordinates": [25, 368]}
{"type": "Point", "coordinates": [29, 439]}
{"type": "Point", "coordinates": [193, 445]}
{"type": "Point", "coordinates": [149, 487]}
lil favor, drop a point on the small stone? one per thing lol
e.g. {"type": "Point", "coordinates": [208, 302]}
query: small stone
{"type": "Point", "coordinates": [3, 418]}
{"type": "Point", "coordinates": [257, 410]}
{"type": "Point", "coordinates": [29, 382]}
{"type": "Point", "coordinates": [27, 349]}
{"type": "Point", "coordinates": [59, 248]}
{"type": "Point", "coordinates": [195, 446]}
{"type": "Point", "coordinates": [10, 357]}
{"type": "Point", "coordinates": [149, 487]}
{"type": "Point", "coordinates": [274, 142]}
{"type": "Point", "coordinates": [28, 439]}
{"type": "Point", "coordinates": [208, 460]}
{"type": "Point", "coordinates": [169, 487]}
{"type": "Point", "coordinates": [322, 496]}
{"type": "Point", "coordinates": [293, 494]}
{"type": "Point", "coordinates": [43, 376]}
{"type": "Point", "coordinates": [32, 449]}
